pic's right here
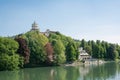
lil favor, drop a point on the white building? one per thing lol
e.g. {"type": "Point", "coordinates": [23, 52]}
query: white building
{"type": "Point", "coordinates": [83, 54]}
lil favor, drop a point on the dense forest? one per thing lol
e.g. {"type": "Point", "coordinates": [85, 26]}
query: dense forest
{"type": "Point", "coordinates": [35, 49]}
{"type": "Point", "coordinates": [101, 49]}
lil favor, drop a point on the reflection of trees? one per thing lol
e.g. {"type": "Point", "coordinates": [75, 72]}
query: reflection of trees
{"type": "Point", "coordinates": [44, 73]}
{"type": "Point", "coordinates": [60, 73]}
{"type": "Point", "coordinates": [83, 70]}
{"type": "Point", "coordinates": [72, 73]}
{"type": "Point", "coordinates": [102, 72]}
{"type": "Point", "coordinates": [53, 73]}
{"type": "Point", "coordinates": [90, 72]}
{"type": "Point", "coordinates": [9, 75]}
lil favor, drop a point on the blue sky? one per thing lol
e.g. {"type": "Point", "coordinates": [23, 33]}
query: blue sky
{"type": "Point", "coordinates": [88, 19]}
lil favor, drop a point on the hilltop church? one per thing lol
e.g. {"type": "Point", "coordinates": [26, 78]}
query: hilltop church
{"type": "Point", "coordinates": [36, 27]}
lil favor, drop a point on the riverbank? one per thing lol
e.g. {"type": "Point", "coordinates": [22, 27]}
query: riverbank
{"type": "Point", "coordinates": [88, 62]}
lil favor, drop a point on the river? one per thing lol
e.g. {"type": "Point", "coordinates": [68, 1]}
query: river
{"type": "Point", "coordinates": [107, 71]}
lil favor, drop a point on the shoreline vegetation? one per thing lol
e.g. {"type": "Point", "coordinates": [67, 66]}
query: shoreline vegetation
{"type": "Point", "coordinates": [51, 48]}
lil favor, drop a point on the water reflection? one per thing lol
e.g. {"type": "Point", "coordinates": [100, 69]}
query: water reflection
{"type": "Point", "coordinates": [9, 75]}
{"type": "Point", "coordinates": [84, 72]}
{"type": "Point", "coordinates": [101, 72]}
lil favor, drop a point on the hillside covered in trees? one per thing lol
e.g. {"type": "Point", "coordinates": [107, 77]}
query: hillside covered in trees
{"type": "Point", "coordinates": [35, 49]}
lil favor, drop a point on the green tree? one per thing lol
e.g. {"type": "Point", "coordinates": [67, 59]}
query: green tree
{"type": "Point", "coordinates": [88, 49]}
{"type": "Point", "coordinates": [83, 43]}
{"type": "Point", "coordinates": [70, 52]}
{"type": "Point", "coordinates": [59, 52]}
{"type": "Point", "coordinates": [9, 62]}
{"type": "Point", "coordinates": [53, 36]}
{"type": "Point", "coordinates": [9, 59]}
{"type": "Point", "coordinates": [65, 41]}
{"type": "Point", "coordinates": [36, 42]}
{"type": "Point", "coordinates": [112, 52]}
{"type": "Point", "coordinates": [59, 36]}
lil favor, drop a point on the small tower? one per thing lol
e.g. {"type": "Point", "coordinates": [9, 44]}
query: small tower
{"type": "Point", "coordinates": [35, 26]}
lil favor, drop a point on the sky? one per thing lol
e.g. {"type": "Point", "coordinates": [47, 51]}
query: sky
{"type": "Point", "coordinates": [80, 19]}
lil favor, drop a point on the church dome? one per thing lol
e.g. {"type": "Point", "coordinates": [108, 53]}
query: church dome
{"type": "Point", "coordinates": [35, 26]}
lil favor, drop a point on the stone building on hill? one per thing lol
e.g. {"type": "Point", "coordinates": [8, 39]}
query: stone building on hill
{"type": "Point", "coordinates": [46, 33]}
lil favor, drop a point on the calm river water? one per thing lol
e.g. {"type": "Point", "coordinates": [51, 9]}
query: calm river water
{"type": "Point", "coordinates": [108, 71]}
